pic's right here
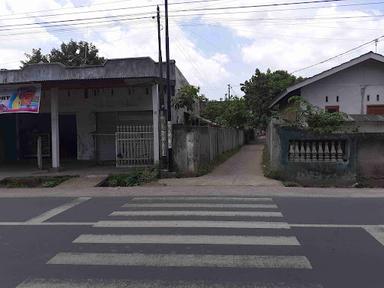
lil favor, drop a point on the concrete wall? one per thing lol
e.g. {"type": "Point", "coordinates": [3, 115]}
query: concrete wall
{"type": "Point", "coordinates": [195, 147]}
{"type": "Point", "coordinates": [352, 86]}
{"type": "Point", "coordinates": [370, 156]}
{"type": "Point", "coordinates": [365, 159]}
{"type": "Point", "coordinates": [317, 173]}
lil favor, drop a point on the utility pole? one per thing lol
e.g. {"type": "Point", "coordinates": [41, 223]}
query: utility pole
{"type": "Point", "coordinates": [169, 111]}
{"type": "Point", "coordinates": [229, 91]}
{"type": "Point", "coordinates": [376, 42]}
{"type": "Point", "coordinates": [85, 54]}
{"type": "Point", "coordinates": [163, 122]}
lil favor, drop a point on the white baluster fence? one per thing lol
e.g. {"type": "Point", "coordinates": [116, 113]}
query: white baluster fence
{"type": "Point", "coordinates": [134, 145]}
{"type": "Point", "coordinates": [318, 151]}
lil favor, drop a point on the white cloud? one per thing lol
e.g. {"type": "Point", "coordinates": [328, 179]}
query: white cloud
{"type": "Point", "coordinates": [291, 45]}
{"type": "Point", "coordinates": [117, 40]}
{"type": "Point", "coordinates": [263, 44]}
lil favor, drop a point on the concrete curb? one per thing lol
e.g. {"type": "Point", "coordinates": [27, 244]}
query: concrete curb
{"type": "Point", "coordinates": [193, 190]}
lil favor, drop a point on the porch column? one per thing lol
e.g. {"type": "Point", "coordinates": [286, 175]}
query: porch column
{"type": "Point", "coordinates": [55, 128]}
{"type": "Point", "coordinates": [155, 109]}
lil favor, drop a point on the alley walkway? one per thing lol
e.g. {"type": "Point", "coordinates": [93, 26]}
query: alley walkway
{"type": "Point", "coordinates": [244, 168]}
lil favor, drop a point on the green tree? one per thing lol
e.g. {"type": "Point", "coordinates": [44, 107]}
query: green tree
{"type": "Point", "coordinates": [187, 96]}
{"type": "Point", "coordinates": [232, 112]}
{"type": "Point", "coordinates": [35, 57]}
{"type": "Point", "coordinates": [70, 54]}
{"type": "Point", "coordinates": [261, 89]}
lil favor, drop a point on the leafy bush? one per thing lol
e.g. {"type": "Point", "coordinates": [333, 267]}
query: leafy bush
{"type": "Point", "coordinates": [33, 182]}
{"type": "Point", "coordinates": [307, 116]}
{"type": "Point", "coordinates": [136, 177]}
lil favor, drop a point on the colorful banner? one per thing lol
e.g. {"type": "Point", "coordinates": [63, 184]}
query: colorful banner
{"type": "Point", "coordinates": [20, 99]}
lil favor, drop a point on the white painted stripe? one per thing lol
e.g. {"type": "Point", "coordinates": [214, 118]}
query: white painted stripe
{"type": "Point", "coordinates": [327, 226]}
{"type": "Point", "coordinates": [204, 199]}
{"type": "Point", "coordinates": [200, 205]}
{"type": "Point", "coordinates": [47, 224]}
{"type": "Point", "coordinates": [56, 211]}
{"type": "Point", "coordinates": [377, 233]}
{"type": "Point", "coordinates": [188, 239]}
{"type": "Point", "coordinates": [193, 224]}
{"type": "Point", "coordinates": [198, 213]}
{"type": "Point", "coordinates": [182, 260]}
{"type": "Point", "coordinates": [126, 283]}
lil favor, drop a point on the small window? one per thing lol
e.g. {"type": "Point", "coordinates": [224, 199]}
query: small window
{"type": "Point", "coordinates": [368, 97]}
{"type": "Point", "coordinates": [332, 109]}
{"type": "Point", "coordinates": [337, 98]}
{"type": "Point", "coordinates": [326, 99]}
{"type": "Point", "coordinates": [377, 97]}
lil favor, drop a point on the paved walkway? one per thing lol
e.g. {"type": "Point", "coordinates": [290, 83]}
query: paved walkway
{"type": "Point", "coordinates": [244, 168]}
{"type": "Point", "coordinates": [83, 181]}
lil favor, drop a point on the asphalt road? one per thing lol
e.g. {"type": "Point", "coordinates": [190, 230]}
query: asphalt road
{"type": "Point", "coordinates": [192, 242]}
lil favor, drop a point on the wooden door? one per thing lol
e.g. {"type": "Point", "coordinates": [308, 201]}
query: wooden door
{"type": "Point", "coordinates": [375, 109]}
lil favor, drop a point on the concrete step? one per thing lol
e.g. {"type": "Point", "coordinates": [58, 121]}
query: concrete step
{"type": "Point", "coordinates": [84, 181]}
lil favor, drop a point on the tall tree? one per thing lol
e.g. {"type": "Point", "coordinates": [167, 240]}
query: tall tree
{"type": "Point", "coordinates": [35, 57]}
{"type": "Point", "coordinates": [232, 112]}
{"type": "Point", "coordinates": [70, 54]}
{"type": "Point", "coordinates": [261, 89]}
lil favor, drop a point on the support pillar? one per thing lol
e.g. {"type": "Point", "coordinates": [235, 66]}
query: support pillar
{"type": "Point", "coordinates": [156, 116]}
{"type": "Point", "coordinates": [55, 134]}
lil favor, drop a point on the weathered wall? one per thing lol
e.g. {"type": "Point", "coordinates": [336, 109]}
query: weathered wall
{"type": "Point", "coordinates": [316, 173]}
{"type": "Point", "coordinates": [365, 160]}
{"type": "Point", "coordinates": [352, 86]}
{"type": "Point", "coordinates": [370, 156]}
{"type": "Point", "coordinates": [195, 147]}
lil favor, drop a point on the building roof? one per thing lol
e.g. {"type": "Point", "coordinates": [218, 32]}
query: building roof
{"type": "Point", "coordinates": [126, 68]}
{"type": "Point", "coordinates": [327, 73]}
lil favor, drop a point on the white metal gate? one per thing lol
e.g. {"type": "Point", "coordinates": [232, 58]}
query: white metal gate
{"type": "Point", "coordinates": [134, 145]}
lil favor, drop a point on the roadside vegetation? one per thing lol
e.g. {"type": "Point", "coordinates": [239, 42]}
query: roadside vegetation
{"type": "Point", "coordinates": [305, 116]}
{"type": "Point", "coordinates": [33, 182]}
{"type": "Point", "coordinates": [136, 177]}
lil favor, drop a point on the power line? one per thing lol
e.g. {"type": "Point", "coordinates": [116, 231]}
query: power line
{"type": "Point", "coordinates": [294, 18]}
{"type": "Point", "coordinates": [279, 10]}
{"type": "Point", "coordinates": [63, 22]}
{"type": "Point", "coordinates": [118, 17]}
{"type": "Point", "coordinates": [262, 5]}
{"type": "Point", "coordinates": [105, 10]}
{"type": "Point", "coordinates": [339, 55]}
{"type": "Point", "coordinates": [64, 8]}
{"type": "Point", "coordinates": [181, 10]}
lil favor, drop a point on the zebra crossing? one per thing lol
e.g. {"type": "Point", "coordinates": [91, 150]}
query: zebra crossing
{"type": "Point", "coordinates": [185, 242]}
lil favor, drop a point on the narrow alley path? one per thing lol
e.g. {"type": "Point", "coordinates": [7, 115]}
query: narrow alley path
{"type": "Point", "coordinates": [244, 168]}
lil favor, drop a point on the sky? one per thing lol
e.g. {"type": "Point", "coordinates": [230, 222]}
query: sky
{"type": "Point", "coordinates": [214, 42]}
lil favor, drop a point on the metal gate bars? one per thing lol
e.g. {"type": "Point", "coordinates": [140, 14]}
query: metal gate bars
{"type": "Point", "coordinates": [134, 145]}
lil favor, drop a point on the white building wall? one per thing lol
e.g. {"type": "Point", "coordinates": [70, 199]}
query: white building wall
{"type": "Point", "coordinates": [86, 105]}
{"type": "Point", "coordinates": [352, 86]}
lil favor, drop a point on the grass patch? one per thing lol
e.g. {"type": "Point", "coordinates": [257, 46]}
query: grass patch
{"type": "Point", "coordinates": [33, 182]}
{"type": "Point", "coordinates": [291, 184]}
{"type": "Point", "coordinates": [136, 177]}
{"type": "Point", "coordinates": [205, 169]}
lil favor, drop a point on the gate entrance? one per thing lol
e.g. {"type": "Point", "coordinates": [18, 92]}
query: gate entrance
{"type": "Point", "coordinates": [134, 145]}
